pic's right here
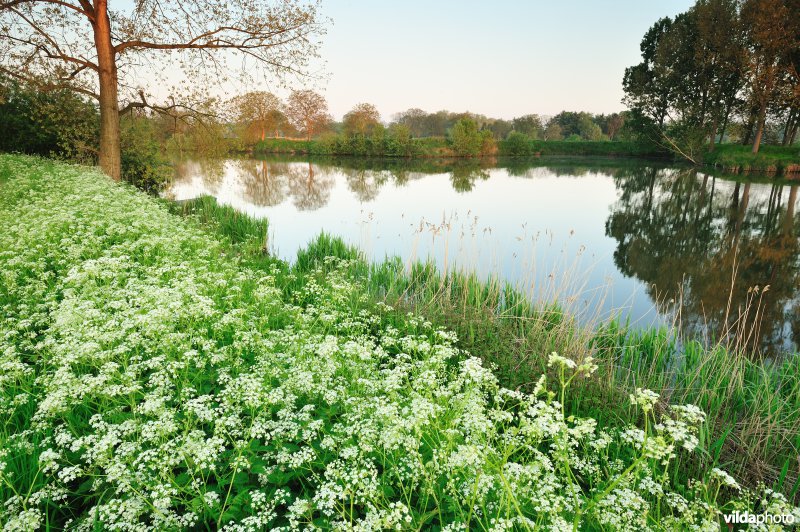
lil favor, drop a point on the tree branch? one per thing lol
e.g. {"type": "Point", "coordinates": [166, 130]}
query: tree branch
{"type": "Point", "coordinates": [60, 53]}
{"type": "Point", "coordinates": [6, 4]}
{"type": "Point", "coordinates": [164, 109]}
{"type": "Point", "coordinates": [49, 85]}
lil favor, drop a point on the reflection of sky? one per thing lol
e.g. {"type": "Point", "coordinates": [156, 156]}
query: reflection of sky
{"type": "Point", "coordinates": [544, 234]}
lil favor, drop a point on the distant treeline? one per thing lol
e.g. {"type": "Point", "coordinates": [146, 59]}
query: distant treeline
{"type": "Point", "coordinates": [389, 144]}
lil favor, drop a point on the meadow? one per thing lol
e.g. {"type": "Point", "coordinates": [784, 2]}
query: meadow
{"type": "Point", "coordinates": [161, 371]}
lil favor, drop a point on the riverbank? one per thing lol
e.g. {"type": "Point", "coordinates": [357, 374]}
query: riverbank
{"type": "Point", "coordinates": [514, 336]}
{"type": "Point", "coordinates": [169, 361]}
{"type": "Point", "coordinates": [731, 158]}
{"type": "Point", "coordinates": [439, 147]}
{"type": "Point", "coordinates": [770, 160]}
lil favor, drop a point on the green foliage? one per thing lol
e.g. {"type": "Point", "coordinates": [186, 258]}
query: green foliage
{"type": "Point", "coordinates": [520, 145]}
{"type": "Point", "coordinates": [516, 144]}
{"type": "Point", "coordinates": [530, 125]}
{"type": "Point", "coordinates": [467, 141]}
{"type": "Point", "coordinates": [139, 356]}
{"type": "Point", "coordinates": [54, 123]}
{"type": "Point", "coordinates": [142, 162]}
{"type": "Point", "coordinates": [398, 142]}
{"type": "Point", "coordinates": [735, 158]}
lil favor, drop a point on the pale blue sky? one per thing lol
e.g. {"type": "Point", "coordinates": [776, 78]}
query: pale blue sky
{"type": "Point", "coordinates": [503, 58]}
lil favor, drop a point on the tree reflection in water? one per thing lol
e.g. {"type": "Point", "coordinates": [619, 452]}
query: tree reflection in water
{"type": "Point", "coordinates": [728, 256]}
{"type": "Point", "coordinates": [309, 186]}
{"type": "Point", "coordinates": [265, 184]}
{"type": "Point", "coordinates": [723, 253]}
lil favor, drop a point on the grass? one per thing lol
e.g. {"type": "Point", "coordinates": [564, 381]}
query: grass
{"type": "Point", "coordinates": [730, 158]}
{"type": "Point", "coordinates": [775, 160]}
{"type": "Point", "coordinates": [160, 373]}
{"type": "Point", "coordinates": [427, 147]}
{"type": "Point", "coordinates": [753, 405]}
{"type": "Point", "coordinates": [341, 145]}
{"type": "Point", "coordinates": [580, 148]}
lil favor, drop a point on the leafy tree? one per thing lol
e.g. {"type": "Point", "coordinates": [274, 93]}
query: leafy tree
{"type": "Point", "coordinates": [57, 122]}
{"type": "Point", "coordinates": [399, 142]}
{"type": "Point", "coordinates": [769, 40]}
{"type": "Point", "coordinates": [465, 138]}
{"type": "Point", "coordinates": [588, 129]}
{"type": "Point", "coordinates": [720, 61]}
{"type": "Point", "coordinates": [530, 125]}
{"type": "Point", "coordinates": [415, 119]}
{"type": "Point", "coordinates": [614, 124]}
{"type": "Point", "coordinates": [361, 120]}
{"type": "Point", "coordinates": [259, 112]}
{"type": "Point", "coordinates": [517, 144]}
{"type": "Point", "coordinates": [644, 84]}
{"type": "Point", "coordinates": [308, 112]}
{"type": "Point", "coordinates": [553, 131]}
{"type": "Point", "coordinates": [89, 48]}
{"type": "Point", "coordinates": [499, 128]}
{"type": "Point", "coordinates": [581, 124]}
{"type": "Point", "coordinates": [141, 161]}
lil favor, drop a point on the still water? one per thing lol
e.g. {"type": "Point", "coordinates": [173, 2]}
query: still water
{"type": "Point", "coordinates": [648, 243]}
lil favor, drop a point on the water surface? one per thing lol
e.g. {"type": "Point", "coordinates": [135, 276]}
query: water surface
{"type": "Point", "coordinates": [650, 243]}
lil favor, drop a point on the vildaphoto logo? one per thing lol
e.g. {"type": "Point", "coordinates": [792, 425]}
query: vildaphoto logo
{"type": "Point", "coordinates": [746, 518]}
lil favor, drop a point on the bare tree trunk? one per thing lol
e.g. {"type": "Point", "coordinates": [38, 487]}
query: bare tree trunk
{"type": "Point", "coordinates": [788, 221]}
{"type": "Point", "coordinates": [728, 106]}
{"type": "Point", "coordinates": [712, 138]}
{"type": "Point", "coordinates": [794, 134]}
{"type": "Point", "coordinates": [748, 132]}
{"type": "Point", "coordinates": [762, 117]}
{"type": "Point", "coordinates": [788, 129]}
{"type": "Point", "coordinates": [109, 157]}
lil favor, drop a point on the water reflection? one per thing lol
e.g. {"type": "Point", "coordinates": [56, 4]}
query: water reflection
{"type": "Point", "coordinates": [728, 251]}
{"type": "Point", "coordinates": [725, 253]}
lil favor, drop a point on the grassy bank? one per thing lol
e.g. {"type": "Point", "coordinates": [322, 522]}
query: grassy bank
{"type": "Point", "coordinates": [753, 405]}
{"type": "Point", "coordinates": [161, 371]}
{"type": "Point", "coordinates": [730, 158]}
{"type": "Point", "coordinates": [382, 146]}
{"type": "Point", "coordinates": [439, 147]}
{"type": "Point", "coordinates": [520, 146]}
{"type": "Point", "coordinates": [770, 160]}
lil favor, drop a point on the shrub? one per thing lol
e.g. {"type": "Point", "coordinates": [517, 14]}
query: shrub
{"type": "Point", "coordinates": [142, 162]}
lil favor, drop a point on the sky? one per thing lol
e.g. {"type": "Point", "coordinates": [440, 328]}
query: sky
{"type": "Point", "coordinates": [501, 58]}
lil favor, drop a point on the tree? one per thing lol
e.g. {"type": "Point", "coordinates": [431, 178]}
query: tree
{"type": "Point", "coordinates": [89, 48]}
{"type": "Point", "coordinates": [581, 124]}
{"type": "Point", "coordinates": [259, 112]}
{"type": "Point", "coordinates": [530, 125]}
{"type": "Point", "coordinates": [308, 112]}
{"type": "Point", "coordinates": [720, 61]}
{"type": "Point", "coordinates": [415, 119]}
{"type": "Point", "coordinates": [587, 129]}
{"type": "Point", "coordinates": [57, 122]}
{"type": "Point", "coordinates": [361, 120]}
{"type": "Point", "coordinates": [644, 84]}
{"type": "Point", "coordinates": [553, 131]}
{"type": "Point", "coordinates": [769, 40]}
{"type": "Point", "coordinates": [614, 124]}
{"type": "Point", "coordinates": [468, 141]}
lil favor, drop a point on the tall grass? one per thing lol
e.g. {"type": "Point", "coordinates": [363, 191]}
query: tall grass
{"type": "Point", "coordinates": [158, 377]}
{"type": "Point", "coordinates": [736, 159]}
{"type": "Point", "coordinates": [753, 404]}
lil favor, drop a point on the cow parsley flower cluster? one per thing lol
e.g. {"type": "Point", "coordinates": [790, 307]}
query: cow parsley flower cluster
{"type": "Point", "coordinates": [149, 382]}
